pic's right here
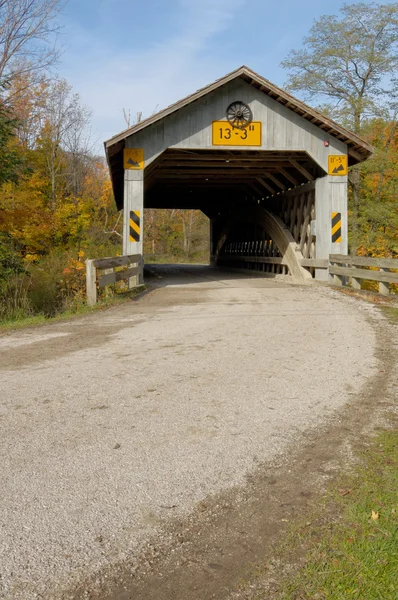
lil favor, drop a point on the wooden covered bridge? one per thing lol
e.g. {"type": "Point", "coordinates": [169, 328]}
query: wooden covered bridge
{"type": "Point", "coordinates": [269, 171]}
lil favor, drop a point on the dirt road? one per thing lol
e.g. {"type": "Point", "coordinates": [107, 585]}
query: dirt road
{"type": "Point", "coordinates": [140, 440]}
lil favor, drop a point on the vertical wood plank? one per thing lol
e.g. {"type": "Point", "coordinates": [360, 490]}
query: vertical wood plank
{"type": "Point", "coordinates": [91, 283]}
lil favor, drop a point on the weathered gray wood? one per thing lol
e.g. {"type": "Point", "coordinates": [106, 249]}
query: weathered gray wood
{"type": "Point", "coordinates": [288, 176]}
{"type": "Point", "coordinates": [268, 90]}
{"type": "Point", "coordinates": [116, 261]}
{"type": "Point", "coordinates": [282, 240]}
{"type": "Point", "coordinates": [356, 283]}
{"type": "Point", "coordinates": [272, 260]}
{"type": "Point", "coordinates": [337, 279]}
{"type": "Point", "coordinates": [114, 277]}
{"type": "Point", "coordinates": [384, 287]}
{"type": "Point", "coordinates": [276, 181]}
{"type": "Point", "coordinates": [302, 170]}
{"type": "Point", "coordinates": [190, 128]}
{"type": "Point", "coordinates": [266, 185]}
{"type": "Point", "coordinates": [364, 274]}
{"type": "Point", "coordinates": [319, 263]}
{"type": "Point", "coordinates": [364, 261]}
{"type": "Point", "coordinates": [91, 282]}
{"type": "Point", "coordinates": [138, 278]}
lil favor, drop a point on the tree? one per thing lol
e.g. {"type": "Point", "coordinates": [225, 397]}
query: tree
{"type": "Point", "coordinates": [10, 159]}
{"type": "Point", "coordinates": [378, 215]}
{"type": "Point", "coordinates": [350, 61]}
{"type": "Point", "coordinates": [63, 121]}
{"type": "Point", "coordinates": [28, 36]}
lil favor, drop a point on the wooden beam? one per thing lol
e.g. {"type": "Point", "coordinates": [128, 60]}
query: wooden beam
{"type": "Point", "coordinates": [318, 263]}
{"type": "Point", "coordinates": [302, 170]}
{"type": "Point", "coordinates": [117, 261]}
{"type": "Point", "coordinates": [364, 274]}
{"type": "Point", "coordinates": [270, 260]}
{"type": "Point", "coordinates": [113, 277]}
{"type": "Point", "coordinates": [265, 184]}
{"type": "Point", "coordinates": [231, 159]}
{"type": "Point", "coordinates": [226, 166]}
{"type": "Point", "coordinates": [206, 176]}
{"type": "Point", "coordinates": [288, 176]}
{"type": "Point", "coordinates": [258, 191]}
{"type": "Point", "coordinates": [276, 181]}
{"type": "Point", "coordinates": [364, 261]}
{"type": "Point", "coordinates": [211, 173]}
{"type": "Point", "coordinates": [354, 154]}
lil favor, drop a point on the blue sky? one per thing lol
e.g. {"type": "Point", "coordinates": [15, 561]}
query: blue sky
{"type": "Point", "coordinates": [142, 55]}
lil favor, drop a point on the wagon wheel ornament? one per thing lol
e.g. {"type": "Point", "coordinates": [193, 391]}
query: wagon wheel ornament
{"type": "Point", "coordinates": [239, 114]}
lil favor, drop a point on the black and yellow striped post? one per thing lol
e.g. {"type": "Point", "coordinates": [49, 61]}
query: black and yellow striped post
{"type": "Point", "coordinates": [135, 226]}
{"type": "Point", "coordinates": [336, 228]}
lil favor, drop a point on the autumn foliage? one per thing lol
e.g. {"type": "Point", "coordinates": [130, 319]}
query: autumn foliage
{"type": "Point", "coordinates": [56, 202]}
{"type": "Point", "coordinates": [378, 210]}
{"type": "Point", "coordinates": [57, 206]}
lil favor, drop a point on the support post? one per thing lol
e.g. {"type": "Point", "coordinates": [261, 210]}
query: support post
{"type": "Point", "coordinates": [330, 197]}
{"type": "Point", "coordinates": [384, 287]}
{"type": "Point", "coordinates": [133, 219]}
{"type": "Point", "coordinates": [91, 282]}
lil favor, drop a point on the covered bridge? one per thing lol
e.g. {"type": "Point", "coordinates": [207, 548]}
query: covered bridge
{"type": "Point", "coordinates": [269, 171]}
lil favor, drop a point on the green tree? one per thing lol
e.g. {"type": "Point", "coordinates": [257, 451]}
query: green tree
{"type": "Point", "coordinates": [350, 61]}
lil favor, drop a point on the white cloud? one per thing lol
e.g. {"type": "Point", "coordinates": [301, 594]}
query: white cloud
{"type": "Point", "coordinates": [110, 79]}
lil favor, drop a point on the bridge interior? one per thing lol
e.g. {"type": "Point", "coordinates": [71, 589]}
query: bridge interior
{"type": "Point", "coordinates": [223, 183]}
{"type": "Point", "coordinates": [220, 181]}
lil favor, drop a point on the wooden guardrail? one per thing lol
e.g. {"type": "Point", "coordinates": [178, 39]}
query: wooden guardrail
{"type": "Point", "coordinates": [268, 260]}
{"type": "Point", "coordinates": [356, 269]}
{"type": "Point", "coordinates": [316, 263]}
{"type": "Point", "coordinates": [108, 265]}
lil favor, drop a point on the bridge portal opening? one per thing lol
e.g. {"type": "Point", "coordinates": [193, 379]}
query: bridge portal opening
{"type": "Point", "coordinates": [229, 186]}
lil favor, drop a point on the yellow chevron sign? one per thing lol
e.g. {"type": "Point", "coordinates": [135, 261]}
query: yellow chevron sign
{"type": "Point", "coordinates": [338, 164]}
{"type": "Point", "coordinates": [133, 158]}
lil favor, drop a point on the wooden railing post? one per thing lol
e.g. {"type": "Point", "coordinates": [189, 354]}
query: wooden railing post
{"type": "Point", "coordinates": [333, 278]}
{"type": "Point", "coordinates": [355, 283]}
{"type": "Point", "coordinates": [91, 282]}
{"type": "Point", "coordinates": [384, 287]}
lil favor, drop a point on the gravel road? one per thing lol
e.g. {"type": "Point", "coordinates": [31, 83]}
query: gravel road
{"type": "Point", "coordinates": [112, 422]}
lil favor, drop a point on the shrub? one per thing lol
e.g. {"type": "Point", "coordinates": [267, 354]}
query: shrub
{"type": "Point", "coordinates": [44, 290]}
{"type": "Point", "coordinates": [14, 301]}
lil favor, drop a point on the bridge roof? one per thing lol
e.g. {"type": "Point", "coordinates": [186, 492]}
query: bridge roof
{"type": "Point", "coordinates": [358, 149]}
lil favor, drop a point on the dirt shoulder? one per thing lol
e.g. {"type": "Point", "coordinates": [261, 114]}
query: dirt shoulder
{"type": "Point", "coordinates": [226, 548]}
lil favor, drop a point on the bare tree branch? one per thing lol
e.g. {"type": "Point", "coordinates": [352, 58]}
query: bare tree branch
{"type": "Point", "coordinates": [28, 36]}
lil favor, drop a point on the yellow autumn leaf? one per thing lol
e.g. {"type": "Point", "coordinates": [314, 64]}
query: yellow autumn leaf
{"type": "Point", "coordinates": [374, 515]}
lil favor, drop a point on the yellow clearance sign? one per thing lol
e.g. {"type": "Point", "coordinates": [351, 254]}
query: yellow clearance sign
{"type": "Point", "coordinates": [223, 134]}
{"type": "Point", "coordinates": [338, 164]}
{"type": "Point", "coordinates": [133, 158]}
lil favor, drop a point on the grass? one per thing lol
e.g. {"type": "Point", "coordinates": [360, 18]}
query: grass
{"type": "Point", "coordinates": [37, 320]}
{"type": "Point", "coordinates": [354, 554]}
{"type": "Point", "coordinates": [391, 313]}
